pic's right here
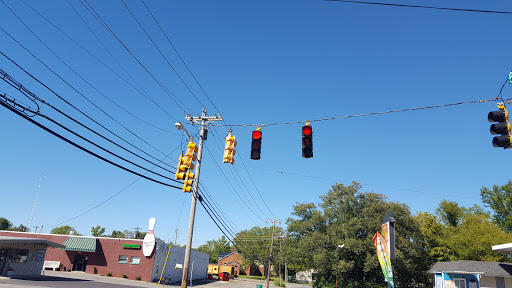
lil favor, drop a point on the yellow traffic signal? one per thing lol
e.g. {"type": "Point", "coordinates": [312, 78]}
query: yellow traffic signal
{"type": "Point", "coordinates": [189, 179]}
{"type": "Point", "coordinates": [229, 149]}
{"type": "Point", "coordinates": [181, 168]}
{"type": "Point", "coordinates": [190, 155]}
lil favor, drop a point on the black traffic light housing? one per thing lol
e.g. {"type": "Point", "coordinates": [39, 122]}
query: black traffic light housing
{"type": "Point", "coordinates": [501, 128]}
{"type": "Point", "coordinates": [307, 141]}
{"type": "Point", "coordinates": [256, 145]}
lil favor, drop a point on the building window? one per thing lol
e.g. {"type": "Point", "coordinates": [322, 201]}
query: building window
{"type": "Point", "coordinates": [459, 282]}
{"type": "Point", "coordinates": [134, 260]}
{"type": "Point", "coordinates": [123, 259]}
{"type": "Point", "coordinates": [17, 255]}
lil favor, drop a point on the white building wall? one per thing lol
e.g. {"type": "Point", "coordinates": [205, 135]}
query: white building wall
{"type": "Point", "coordinates": [198, 263]}
{"type": "Point", "coordinates": [32, 267]}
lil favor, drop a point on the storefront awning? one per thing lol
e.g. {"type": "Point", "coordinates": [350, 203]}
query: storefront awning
{"type": "Point", "coordinates": [82, 244]}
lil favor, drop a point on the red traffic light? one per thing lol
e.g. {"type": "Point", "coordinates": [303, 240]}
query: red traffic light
{"type": "Point", "coordinates": [256, 135]}
{"type": "Point", "coordinates": [307, 130]}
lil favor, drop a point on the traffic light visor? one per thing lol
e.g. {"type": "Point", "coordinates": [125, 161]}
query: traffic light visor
{"type": "Point", "coordinates": [497, 116]}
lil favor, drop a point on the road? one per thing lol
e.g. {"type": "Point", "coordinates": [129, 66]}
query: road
{"type": "Point", "coordinates": [78, 280]}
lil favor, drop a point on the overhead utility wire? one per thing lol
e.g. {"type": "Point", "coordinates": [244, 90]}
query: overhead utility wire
{"type": "Point", "coordinates": [218, 210]}
{"type": "Point", "coordinates": [74, 107]}
{"type": "Point", "coordinates": [109, 198]}
{"type": "Point", "coordinates": [11, 81]}
{"type": "Point", "coordinates": [219, 219]}
{"type": "Point", "coordinates": [83, 79]}
{"type": "Point", "coordinates": [358, 115]}
{"type": "Point", "coordinates": [424, 7]}
{"type": "Point", "coordinates": [105, 25]}
{"type": "Point", "coordinates": [4, 102]}
{"type": "Point", "coordinates": [106, 66]}
{"type": "Point", "coordinates": [183, 61]}
{"type": "Point", "coordinates": [98, 146]}
{"type": "Point", "coordinates": [162, 54]}
{"type": "Point", "coordinates": [227, 237]}
{"type": "Point", "coordinates": [215, 203]}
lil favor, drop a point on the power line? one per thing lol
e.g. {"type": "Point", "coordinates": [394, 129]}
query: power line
{"type": "Point", "coordinates": [162, 54]}
{"type": "Point", "coordinates": [109, 198]}
{"type": "Point", "coordinates": [4, 102]}
{"type": "Point", "coordinates": [183, 61]}
{"type": "Point", "coordinates": [106, 66]}
{"type": "Point", "coordinates": [67, 102]}
{"type": "Point", "coordinates": [83, 79]}
{"type": "Point", "coordinates": [11, 81]}
{"type": "Point", "coordinates": [357, 115]}
{"type": "Point", "coordinates": [423, 7]}
{"type": "Point", "coordinates": [105, 25]}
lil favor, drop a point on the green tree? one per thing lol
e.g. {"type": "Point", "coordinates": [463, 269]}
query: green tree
{"type": "Point", "coordinates": [117, 234]}
{"type": "Point", "coordinates": [66, 230]}
{"type": "Point", "coordinates": [450, 213]}
{"type": "Point", "coordinates": [21, 228]}
{"type": "Point", "coordinates": [97, 231]}
{"type": "Point", "coordinates": [346, 215]}
{"type": "Point", "coordinates": [499, 199]}
{"type": "Point", "coordinates": [5, 224]}
{"type": "Point", "coordinates": [435, 236]}
{"type": "Point", "coordinates": [254, 244]}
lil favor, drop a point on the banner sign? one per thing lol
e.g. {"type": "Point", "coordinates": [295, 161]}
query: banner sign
{"type": "Point", "coordinates": [384, 260]}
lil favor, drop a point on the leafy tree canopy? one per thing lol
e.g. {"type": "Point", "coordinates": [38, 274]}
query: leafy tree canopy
{"type": "Point", "coordinates": [66, 230]}
{"type": "Point", "coordinates": [117, 234]}
{"type": "Point", "coordinates": [499, 199]}
{"type": "Point", "coordinates": [97, 231]}
{"type": "Point", "coordinates": [214, 248]}
{"type": "Point", "coordinates": [5, 224]}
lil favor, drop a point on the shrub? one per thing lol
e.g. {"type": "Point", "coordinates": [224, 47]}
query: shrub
{"type": "Point", "coordinates": [95, 270]}
{"type": "Point", "coordinates": [109, 274]}
{"type": "Point", "coordinates": [137, 278]}
{"type": "Point", "coordinates": [124, 276]}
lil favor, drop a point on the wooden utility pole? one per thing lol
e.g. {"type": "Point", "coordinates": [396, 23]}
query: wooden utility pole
{"type": "Point", "coordinates": [271, 245]}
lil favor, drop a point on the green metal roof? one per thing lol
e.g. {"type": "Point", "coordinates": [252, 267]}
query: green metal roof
{"type": "Point", "coordinates": [82, 244]}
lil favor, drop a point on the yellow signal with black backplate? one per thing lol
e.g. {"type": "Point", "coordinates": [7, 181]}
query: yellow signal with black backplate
{"type": "Point", "coordinates": [502, 127]}
{"type": "Point", "coordinates": [189, 180]}
{"type": "Point", "coordinates": [229, 149]}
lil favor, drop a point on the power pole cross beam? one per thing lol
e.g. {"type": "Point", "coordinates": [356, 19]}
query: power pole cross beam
{"type": "Point", "coordinates": [203, 121]}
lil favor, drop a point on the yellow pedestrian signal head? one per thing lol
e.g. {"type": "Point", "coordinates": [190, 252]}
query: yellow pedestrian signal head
{"type": "Point", "coordinates": [229, 149]}
{"type": "Point", "coordinates": [502, 127]}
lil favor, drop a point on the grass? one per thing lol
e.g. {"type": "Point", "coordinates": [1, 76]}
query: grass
{"type": "Point", "coordinates": [255, 277]}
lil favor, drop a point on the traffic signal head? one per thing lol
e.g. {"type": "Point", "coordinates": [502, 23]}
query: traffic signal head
{"type": "Point", "coordinates": [229, 149]}
{"type": "Point", "coordinates": [180, 167]}
{"type": "Point", "coordinates": [190, 155]}
{"type": "Point", "coordinates": [256, 144]}
{"type": "Point", "coordinates": [502, 127]}
{"type": "Point", "coordinates": [188, 181]}
{"type": "Point", "coordinates": [307, 141]}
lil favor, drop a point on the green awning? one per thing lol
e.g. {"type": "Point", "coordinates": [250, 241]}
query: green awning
{"type": "Point", "coordinates": [82, 244]}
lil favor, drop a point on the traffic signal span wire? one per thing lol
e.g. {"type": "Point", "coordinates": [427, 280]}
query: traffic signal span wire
{"type": "Point", "coordinates": [6, 105]}
{"type": "Point", "coordinates": [183, 61]}
{"type": "Point", "coordinates": [25, 91]}
{"type": "Point", "coordinates": [359, 115]}
{"type": "Point", "coordinates": [109, 198]}
{"type": "Point", "coordinates": [423, 7]}
{"type": "Point", "coordinates": [74, 107]}
{"type": "Point", "coordinates": [106, 66]}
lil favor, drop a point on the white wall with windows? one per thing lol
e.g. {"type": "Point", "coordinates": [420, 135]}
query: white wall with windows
{"type": "Point", "coordinates": [21, 259]}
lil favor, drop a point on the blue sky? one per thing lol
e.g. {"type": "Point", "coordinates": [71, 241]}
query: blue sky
{"type": "Point", "coordinates": [260, 62]}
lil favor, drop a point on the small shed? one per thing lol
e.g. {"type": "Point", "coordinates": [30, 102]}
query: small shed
{"type": "Point", "coordinates": [472, 274]}
{"type": "Point", "coordinates": [23, 257]}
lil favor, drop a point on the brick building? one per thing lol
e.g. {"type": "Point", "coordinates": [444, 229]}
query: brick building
{"type": "Point", "coordinates": [118, 256]}
{"type": "Point", "coordinates": [236, 260]}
